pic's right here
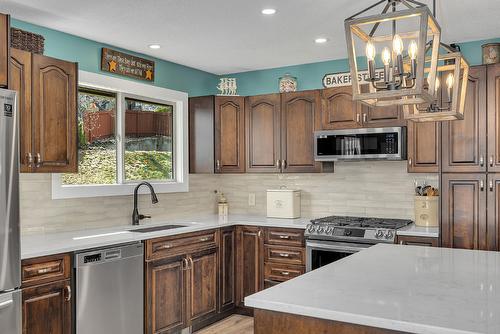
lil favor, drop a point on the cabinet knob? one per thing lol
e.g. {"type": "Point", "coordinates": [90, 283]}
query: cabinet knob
{"type": "Point", "coordinates": [492, 158]}
{"type": "Point", "coordinates": [409, 161]}
{"type": "Point", "coordinates": [217, 164]}
{"type": "Point", "coordinates": [358, 118]}
{"type": "Point", "coordinates": [278, 164]}
{"type": "Point", "coordinates": [283, 164]}
{"type": "Point", "coordinates": [364, 118]}
{"type": "Point", "coordinates": [481, 185]}
{"type": "Point", "coordinates": [38, 160]}
{"type": "Point", "coordinates": [491, 185]}
{"type": "Point", "coordinates": [29, 159]}
{"type": "Point", "coordinates": [481, 161]}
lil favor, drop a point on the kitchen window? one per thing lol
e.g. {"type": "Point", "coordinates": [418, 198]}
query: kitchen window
{"type": "Point", "coordinates": [127, 132]}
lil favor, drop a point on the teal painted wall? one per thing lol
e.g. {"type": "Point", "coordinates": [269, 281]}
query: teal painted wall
{"type": "Point", "coordinates": [310, 76]}
{"type": "Point", "coordinates": [88, 55]}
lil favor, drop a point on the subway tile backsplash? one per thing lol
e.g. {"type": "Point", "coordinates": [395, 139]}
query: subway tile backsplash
{"type": "Point", "coordinates": [378, 189]}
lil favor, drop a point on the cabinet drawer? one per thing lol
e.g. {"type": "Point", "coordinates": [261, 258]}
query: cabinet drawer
{"type": "Point", "coordinates": [292, 255]}
{"type": "Point", "coordinates": [418, 241]}
{"type": "Point", "coordinates": [284, 236]}
{"type": "Point", "coordinates": [45, 269]}
{"type": "Point", "coordinates": [281, 272]}
{"type": "Point", "coordinates": [177, 244]}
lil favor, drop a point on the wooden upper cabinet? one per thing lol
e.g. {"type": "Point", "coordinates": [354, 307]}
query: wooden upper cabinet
{"type": "Point", "coordinates": [493, 97]}
{"type": "Point", "coordinates": [4, 49]}
{"type": "Point", "coordinates": [263, 129]}
{"type": "Point", "coordinates": [424, 141]}
{"type": "Point", "coordinates": [250, 264]}
{"type": "Point", "coordinates": [20, 81]}
{"type": "Point", "coordinates": [463, 222]}
{"type": "Point", "coordinates": [300, 117]}
{"type": "Point", "coordinates": [229, 134]}
{"type": "Point", "coordinates": [464, 141]}
{"type": "Point", "coordinates": [54, 97]}
{"type": "Point", "coordinates": [338, 110]}
{"type": "Point", "coordinates": [203, 285]}
{"type": "Point", "coordinates": [47, 309]}
{"type": "Point", "coordinates": [201, 134]}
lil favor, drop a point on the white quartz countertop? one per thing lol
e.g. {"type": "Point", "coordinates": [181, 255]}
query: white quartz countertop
{"type": "Point", "coordinates": [35, 245]}
{"type": "Point", "coordinates": [404, 288]}
{"type": "Point", "coordinates": [413, 230]}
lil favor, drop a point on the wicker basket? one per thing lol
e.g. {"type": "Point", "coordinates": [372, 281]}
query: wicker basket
{"type": "Point", "coordinates": [27, 41]}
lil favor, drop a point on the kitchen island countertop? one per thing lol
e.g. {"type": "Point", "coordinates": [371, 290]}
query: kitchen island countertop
{"type": "Point", "coordinates": [411, 289]}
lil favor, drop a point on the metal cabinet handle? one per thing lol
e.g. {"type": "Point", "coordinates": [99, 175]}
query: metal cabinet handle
{"type": "Point", "coordinates": [491, 185]}
{"type": "Point", "coordinates": [191, 262]}
{"type": "Point", "coordinates": [204, 239]}
{"type": "Point", "coordinates": [281, 236]}
{"type": "Point", "coordinates": [68, 293]}
{"type": "Point", "coordinates": [217, 164]}
{"type": "Point", "coordinates": [409, 161]}
{"type": "Point", "coordinates": [285, 273]}
{"type": "Point", "coordinates": [481, 161]}
{"type": "Point", "coordinates": [492, 158]}
{"type": "Point", "coordinates": [278, 164]}
{"type": "Point", "coordinates": [481, 185]}
{"type": "Point", "coordinates": [43, 271]}
{"type": "Point", "coordinates": [259, 234]}
{"type": "Point", "coordinates": [185, 264]}
{"type": "Point", "coordinates": [29, 158]}
{"type": "Point", "coordinates": [38, 160]}
{"type": "Point", "coordinates": [364, 118]}
{"type": "Point", "coordinates": [283, 164]}
{"type": "Point", "coordinates": [165, 246]}
{"type": "Point", "coordinates": [284, 254]}
{"type": "Point", "coordinates": [357, 118]}
{"type": "Point", "coordinates": [401, 242]}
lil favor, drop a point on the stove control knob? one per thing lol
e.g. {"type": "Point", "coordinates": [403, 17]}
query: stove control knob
{"type": "Point", "coordinates": [379, 234]}
{"type": "Point", "coordinates": [311, 229]}
{"type": "Point", "coordinates": [389, 235]}
{"type": "Point", "coordinates": [329, 230]}
{"type": "Point", "coordinates": [321, 230]}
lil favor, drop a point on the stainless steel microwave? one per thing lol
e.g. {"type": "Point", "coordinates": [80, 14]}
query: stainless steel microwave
{"type": "Point", "coordinates": [360, 144]}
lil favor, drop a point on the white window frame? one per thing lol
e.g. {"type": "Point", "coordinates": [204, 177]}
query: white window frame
{"type": "Point", "coordinates": [128, 88]}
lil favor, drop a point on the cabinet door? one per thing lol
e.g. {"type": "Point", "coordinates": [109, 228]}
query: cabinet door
{"type": "Point", "coordinates": [493, 227]}
{"type": "Point", "coordinates": [382, 116]}
{"type": "Point", "coordinates": [227, 288]}
{"type": "Point", "coordinates": [263, 129]}
{"type": "Point", "coordinates": [4, 49]}
{"type": "Point", "coordinates": [165, 296]}
{"type": "Point", "coordinates": [424, 147]}
{"type": "Point", "coordinates": [229, 134]}
{"type": "Point", "coordinates": [54, 92]}
{"type": "Point", "coordinates": [464, 211]}
{"type": "Point", "coordinates": [250, 264]}
{"type": "Point", "coordinates": [299, 118]}
{"type": "Point", "coordinates": [203, 285]}
{"type": "Point", "coordinates": [464, 141]}
{"type": "Point", "coordinates": [47, 309]}
{"type": "Point", "coordinates": [493, 118]}
{"type": "Point", "coordinates": [338, 110]}
{"type": "Point", "coordinates": [20, 81]}
{"type": "Point", "coordinates": [201, 134]}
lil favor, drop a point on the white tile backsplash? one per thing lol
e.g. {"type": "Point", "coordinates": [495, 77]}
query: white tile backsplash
{"type": "Point", "coordinates": [378, 189]}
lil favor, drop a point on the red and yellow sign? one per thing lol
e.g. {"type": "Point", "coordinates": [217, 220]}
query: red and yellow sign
{"type": "Point", "coordinates": [124, 64]}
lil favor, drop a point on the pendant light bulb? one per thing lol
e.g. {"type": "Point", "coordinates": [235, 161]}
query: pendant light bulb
{"type": "Point", "coordinates": [450, 80]}
{"type": "Point", "coordinates": [412, 50]}
{"type": "Point", "coordinates": [386, 56]}
{"type": "Point", "coordinates": [370, 51]}
{"type": "Point", "coordinates": [438, 83]}
{"type": "Point", "coordinates": [397, 44]}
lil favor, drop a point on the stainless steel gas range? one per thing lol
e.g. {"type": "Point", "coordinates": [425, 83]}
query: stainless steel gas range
{"type": "Point", "coordinates": [331, 238]}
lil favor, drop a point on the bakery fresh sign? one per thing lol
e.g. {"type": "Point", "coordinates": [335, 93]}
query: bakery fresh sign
{"type": "Point", "coordinates": [344, 78]}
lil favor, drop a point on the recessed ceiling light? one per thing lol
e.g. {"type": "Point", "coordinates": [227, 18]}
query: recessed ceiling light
{"type": "Point", "coordinates": [321, 40]}
{"type": "Point", "coordinates": [269, 11]}
{"type": "Point", "coordinates": [154, 46]}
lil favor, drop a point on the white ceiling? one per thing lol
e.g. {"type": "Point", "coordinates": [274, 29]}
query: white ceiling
{"type": "Point", "coordinates": [227, 36]}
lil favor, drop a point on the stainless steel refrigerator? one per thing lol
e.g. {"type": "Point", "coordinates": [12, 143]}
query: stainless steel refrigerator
{"type": "Point", "coordinates": [10, 255]}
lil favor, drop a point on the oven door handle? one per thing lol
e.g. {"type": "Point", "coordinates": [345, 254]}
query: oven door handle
{"type": "Point", "coordinates": [343, 248]}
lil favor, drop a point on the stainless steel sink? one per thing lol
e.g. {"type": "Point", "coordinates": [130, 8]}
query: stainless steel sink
{"type": "Point", "coordinates": [156, 228]}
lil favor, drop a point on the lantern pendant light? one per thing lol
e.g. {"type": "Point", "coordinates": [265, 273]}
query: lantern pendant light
{"type": "Point", "coordinates": [402, 80]}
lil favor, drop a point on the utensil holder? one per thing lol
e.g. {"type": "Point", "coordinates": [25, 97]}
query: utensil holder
{"type": "Point", "coordinates": [427, 211]}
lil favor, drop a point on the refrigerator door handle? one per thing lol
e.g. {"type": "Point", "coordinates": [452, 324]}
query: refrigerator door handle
{"type": "Point", "coordinates": [6, 304]}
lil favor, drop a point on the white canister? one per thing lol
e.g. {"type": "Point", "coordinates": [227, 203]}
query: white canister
{"type": "Point", "coordinates": [427, 211]}
{"type": "Point", "coordinates": [283, 203]}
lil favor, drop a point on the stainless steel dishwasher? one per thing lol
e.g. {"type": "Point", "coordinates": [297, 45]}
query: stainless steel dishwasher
{"type": "Point", "coordinates": [109, 290]}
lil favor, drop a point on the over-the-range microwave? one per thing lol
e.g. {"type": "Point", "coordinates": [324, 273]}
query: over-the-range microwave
{"type": "Point", "coordinates": [360, 144]}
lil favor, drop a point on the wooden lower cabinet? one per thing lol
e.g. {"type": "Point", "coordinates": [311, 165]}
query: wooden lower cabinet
{"type": "Point", "coordinates": [166, 295]}
{"type": "Point", "coordinates": [227, 264]}
{"type": "Point", "coordinates": [47, 308]}
{"type": "Point", "coordinates": [417, 241]}
{"type": "Point", "coordinates": [250, 264]}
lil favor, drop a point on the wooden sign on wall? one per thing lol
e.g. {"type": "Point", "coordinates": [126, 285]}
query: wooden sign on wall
{"type": "Point", "coordinates": [131, 66]}
{"type": "Point", "coordinates": [344, 78]}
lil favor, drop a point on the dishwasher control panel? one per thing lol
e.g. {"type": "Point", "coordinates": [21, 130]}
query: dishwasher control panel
{"type": "Point", "coordinates": [92, 258]}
